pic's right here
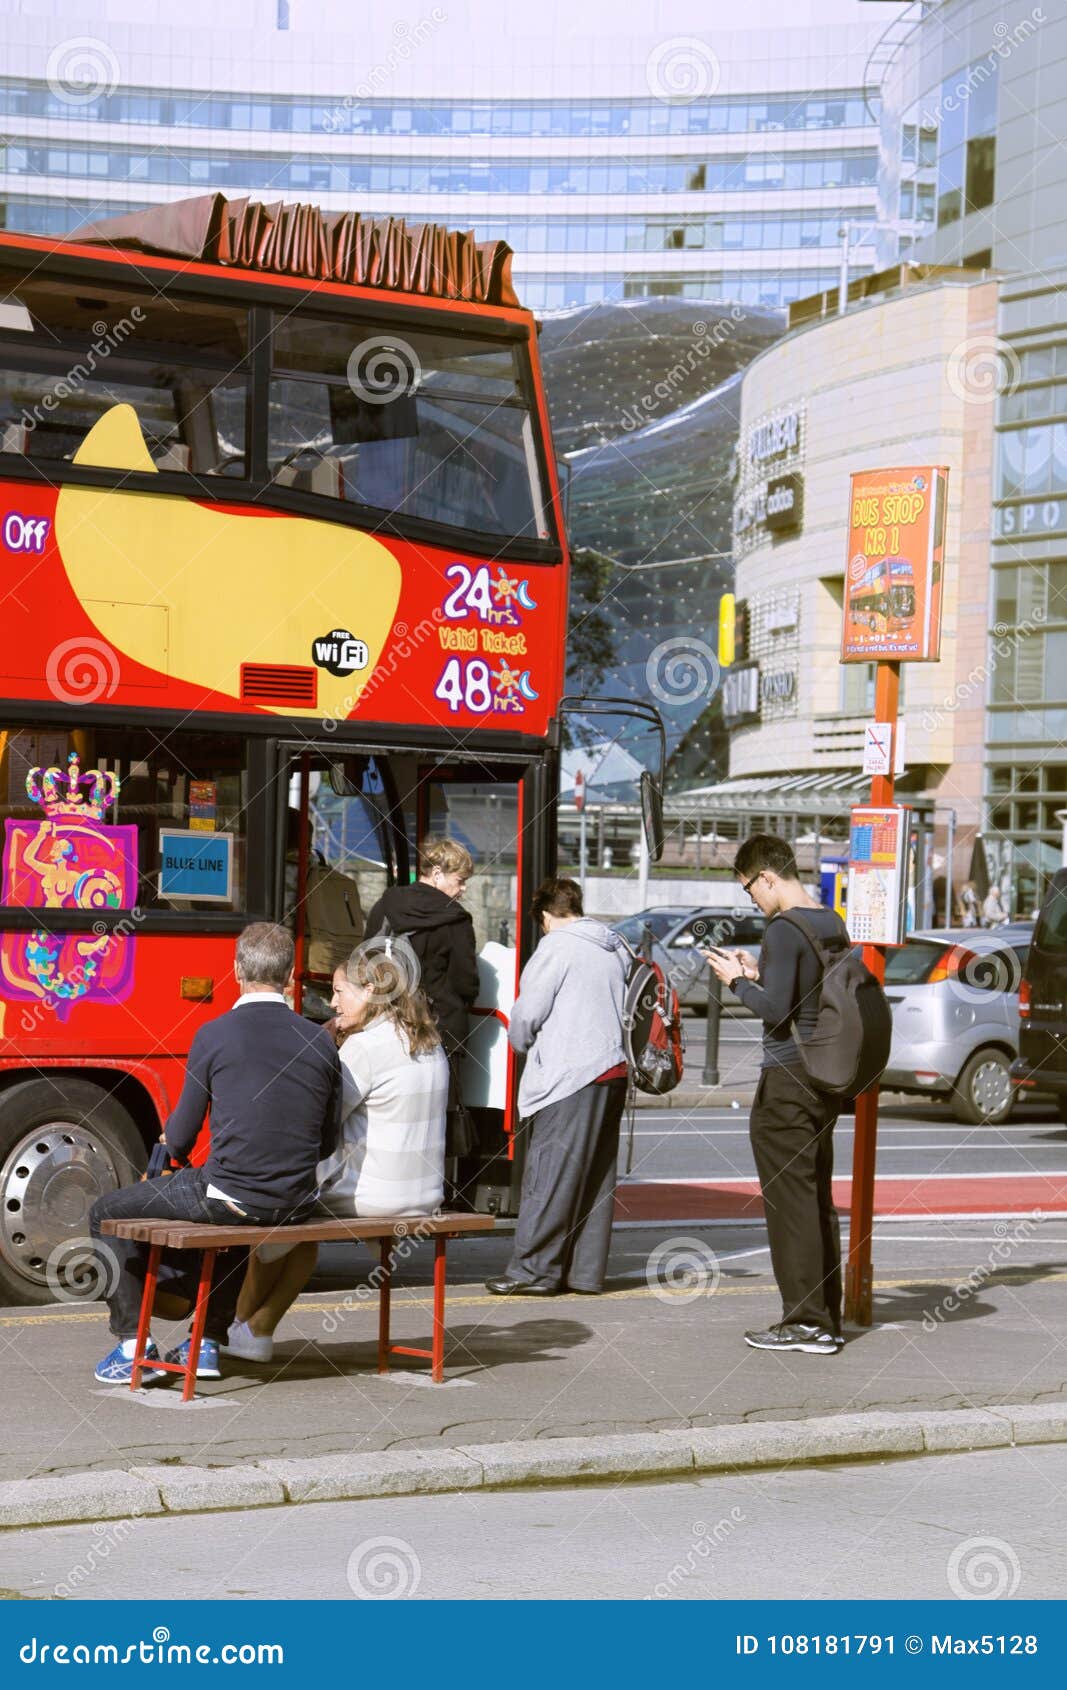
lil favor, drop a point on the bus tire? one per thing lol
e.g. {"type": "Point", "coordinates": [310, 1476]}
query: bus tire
{"type": "Point", "coordinates": [63, 1143]}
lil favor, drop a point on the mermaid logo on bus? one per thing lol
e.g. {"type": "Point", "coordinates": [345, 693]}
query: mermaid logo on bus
{"type": "Point", "coordinates": [882, 594]}
{"type": "Point", "coordinates": [71, 860]}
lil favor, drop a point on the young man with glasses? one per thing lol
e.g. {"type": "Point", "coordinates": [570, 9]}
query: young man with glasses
{"type": "Point", "coordinates": [791, 1124]}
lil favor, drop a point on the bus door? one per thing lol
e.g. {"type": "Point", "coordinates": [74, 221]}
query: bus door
{"type": "Point", "coordinates": [344, 832]}
{"type": "Point", "coordinates": [481, 805]}
{"type": "Point", "coordinates": [348, 826]}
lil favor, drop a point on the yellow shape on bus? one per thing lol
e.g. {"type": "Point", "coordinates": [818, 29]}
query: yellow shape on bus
{"type": "Point", "coordinates": [237, 589]}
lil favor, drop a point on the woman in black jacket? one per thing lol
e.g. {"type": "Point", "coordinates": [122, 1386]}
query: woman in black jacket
{"type": "Point", "coordinates": [440, 932]}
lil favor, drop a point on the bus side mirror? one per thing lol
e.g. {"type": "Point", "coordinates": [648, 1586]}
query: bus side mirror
{"type": "Point", "coordinates": [652, 815]}
{"type": "Point", "coordinates": [341, 783]}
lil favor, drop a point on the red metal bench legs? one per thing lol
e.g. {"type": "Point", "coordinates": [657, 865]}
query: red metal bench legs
{"type": "Point", "coordinates": [144, 1324]}
{"type": "Point", "coordinates": [436, 1354]}
{"type": "Point", "coordinates": [196, 1331]}
{"type": "Point", "coordinates": [385, 1286]}
{"type": "Point", "coordinates": [437, 1367]}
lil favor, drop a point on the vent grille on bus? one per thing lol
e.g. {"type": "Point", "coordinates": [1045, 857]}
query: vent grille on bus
{"type": "Point", "coordinates": [279, 683]}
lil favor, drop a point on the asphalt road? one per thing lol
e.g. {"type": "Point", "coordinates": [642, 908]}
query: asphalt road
{"type": "Point", "coordinates": [914, 1138]}
{"type": "Point", "coordinates": [985, 1524]}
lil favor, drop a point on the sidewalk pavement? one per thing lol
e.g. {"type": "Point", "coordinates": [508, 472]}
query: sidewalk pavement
{"type": "Point", "coordinates": [652, 1377]}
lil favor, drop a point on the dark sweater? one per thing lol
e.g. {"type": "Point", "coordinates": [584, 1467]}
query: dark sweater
{"type": "Point", "coordinates": [273, 1084]}
{"type": "Point", "coordinates": [786, 997]}
{"type": "Point", "coordinates": [441, 933]}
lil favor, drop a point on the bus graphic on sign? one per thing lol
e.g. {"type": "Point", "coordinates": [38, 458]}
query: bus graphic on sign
{"type": "Point", "coordinates": [883, 599]}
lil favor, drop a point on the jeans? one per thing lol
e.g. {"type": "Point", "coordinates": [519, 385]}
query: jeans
{"type": "Point", "coordinates": [179, 1196]}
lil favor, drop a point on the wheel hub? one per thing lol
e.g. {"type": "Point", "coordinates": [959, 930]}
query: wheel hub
{"type": "Point", "coordinates": [47, 1186]}
{"type": "Point", "coordinates": [991, 1087]}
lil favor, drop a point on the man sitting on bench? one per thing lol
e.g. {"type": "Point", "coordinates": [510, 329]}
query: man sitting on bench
{"type": "Point", "coordinates": [272, 1081]}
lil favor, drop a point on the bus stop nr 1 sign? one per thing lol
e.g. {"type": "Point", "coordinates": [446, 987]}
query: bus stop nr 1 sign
{"type": "Point", "coordinates": [894, 567]}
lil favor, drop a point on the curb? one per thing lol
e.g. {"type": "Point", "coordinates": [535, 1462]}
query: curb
{"type": "Point", "coordinates": [156, 1490]}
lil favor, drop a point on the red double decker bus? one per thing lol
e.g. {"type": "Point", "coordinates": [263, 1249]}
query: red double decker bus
{"type": "Point", "coordinates": [279, 529]}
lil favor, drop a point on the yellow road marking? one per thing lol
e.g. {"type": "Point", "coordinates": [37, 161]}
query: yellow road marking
{"type": "Point", "coordinates": [355, 1302]}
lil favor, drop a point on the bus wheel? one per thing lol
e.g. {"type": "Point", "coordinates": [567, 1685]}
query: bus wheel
{"type": "Point", "coordinates": [63, 1143]}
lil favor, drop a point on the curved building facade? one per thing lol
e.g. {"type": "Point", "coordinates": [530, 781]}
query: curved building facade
{"type": "Point", "coordinates": [876, 388]}
{"type": "Point", "coordinates": [618, 156]}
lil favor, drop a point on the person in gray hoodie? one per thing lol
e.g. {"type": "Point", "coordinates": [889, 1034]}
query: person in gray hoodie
{"type": "Point", "coordinates": [567, 1022]}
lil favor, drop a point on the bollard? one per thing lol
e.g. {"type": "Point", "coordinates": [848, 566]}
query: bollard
{"type": "Point", "coordinates": [710, 1076]}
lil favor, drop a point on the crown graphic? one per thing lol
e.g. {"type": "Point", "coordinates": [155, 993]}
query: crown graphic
{"type": "Point", "coordinates": [68, 792]}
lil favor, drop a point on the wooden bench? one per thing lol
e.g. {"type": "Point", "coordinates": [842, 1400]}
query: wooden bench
{"type": "Point", "coordinates": [388, 1231]}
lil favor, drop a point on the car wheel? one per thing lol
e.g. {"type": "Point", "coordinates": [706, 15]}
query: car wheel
{"type": "Point", "coordinates": [63, 1143]}
{"type": "Point", "coordinates": [984, 1095]}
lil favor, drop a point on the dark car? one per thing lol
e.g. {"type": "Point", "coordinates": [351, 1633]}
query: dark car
{"type": "Point", "coordinates": [652, 923]}
{"type": "Point", "coordinates": [1042, 1059]}
{"type": "Point", "coordinates": [679, 950]}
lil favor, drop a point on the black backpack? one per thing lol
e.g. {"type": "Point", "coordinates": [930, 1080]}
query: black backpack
{"type": "Point", "coordinates": [849, 1047]}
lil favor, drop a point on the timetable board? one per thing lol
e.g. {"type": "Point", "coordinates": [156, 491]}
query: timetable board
{"type": "Point", "coordinates": [878, 874]}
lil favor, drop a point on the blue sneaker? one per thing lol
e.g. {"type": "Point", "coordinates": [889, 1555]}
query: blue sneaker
{"type": "Point", "coordinates": [117, 1369]}
{"type": "Point", "coordinates": [207, 1366]}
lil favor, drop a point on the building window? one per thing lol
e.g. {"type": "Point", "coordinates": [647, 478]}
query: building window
{"type": "Point", "coordinates": [981, 167]}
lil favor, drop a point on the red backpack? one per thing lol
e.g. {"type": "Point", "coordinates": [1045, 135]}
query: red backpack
{"type": "Point", "coordinates": [652, 1027]}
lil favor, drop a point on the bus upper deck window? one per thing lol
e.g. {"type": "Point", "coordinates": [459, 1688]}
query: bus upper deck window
{"type": "Point", "coordinates": [427, 423]}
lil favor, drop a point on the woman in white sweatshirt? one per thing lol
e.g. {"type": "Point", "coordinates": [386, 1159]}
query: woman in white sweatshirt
{"type": "Point", "coordinates": [391, 1154]}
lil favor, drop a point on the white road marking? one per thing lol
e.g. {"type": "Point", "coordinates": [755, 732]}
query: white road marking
{"type": "Point", "coordinates": [748, 1179]}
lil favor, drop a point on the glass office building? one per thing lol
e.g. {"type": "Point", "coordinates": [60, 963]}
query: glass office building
{"type": "Point", "coordinates": [619, 160]}
{"type": "Point", "coordinates": [974, 126]}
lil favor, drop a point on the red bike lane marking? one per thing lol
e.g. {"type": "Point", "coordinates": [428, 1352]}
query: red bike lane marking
{"type": "Point", "coordinates": [899, 1195]}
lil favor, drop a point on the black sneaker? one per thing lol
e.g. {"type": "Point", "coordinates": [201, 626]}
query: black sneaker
{"type": "Point", "coordinates": [810, 1340]}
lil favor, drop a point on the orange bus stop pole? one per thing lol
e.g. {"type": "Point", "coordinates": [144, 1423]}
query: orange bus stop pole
{"type": "Point", "coordinates": [858, 1272]}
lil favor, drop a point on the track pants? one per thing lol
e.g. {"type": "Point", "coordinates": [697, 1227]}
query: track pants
{"type": "Point", "coordinates": [791, 1128]}
{"type": "Point", "coordinates": [563, 1233]}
